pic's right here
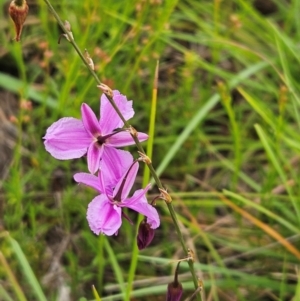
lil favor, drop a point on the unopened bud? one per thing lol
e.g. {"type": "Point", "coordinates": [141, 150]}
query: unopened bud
{"type": "Point", "coordinates": [145, 235]}
{"type": "Point", "coordinates": [18, 10]}
{"type": "Point", "coordinates": [175, 289]}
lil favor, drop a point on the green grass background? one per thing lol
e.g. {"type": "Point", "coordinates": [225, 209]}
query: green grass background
{"type": "Point", "coordinates": [226, 145]}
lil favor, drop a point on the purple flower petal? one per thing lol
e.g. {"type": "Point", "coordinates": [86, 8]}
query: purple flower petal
{"type": "Point", "coordinates": [139, 196]}
{"type": "Point", "coordinates": [124, 105]}
{"type": "Point", "coordinates": [89, 180]}
{"type": "Point", "coordinates": [94, 155]}
{"type": "Point", "coordinates": [124, 138]}
{"type": "Point", "coordinates": [128, 178]}
{"type": "Point", "coordinates": [89, 120]}
{"type": "Point", "coordinates": [103, 217]}
{"type": "Point", "coordinates": [67, 139]}
{"type": "Point", "coordinates": [114, 164]}
{"type": "Point", "coordinates": [110, 120]}
{"type": "Point", "coordinates": [149, 211]}
{"type": "Point", "coordinates": [138, 202]}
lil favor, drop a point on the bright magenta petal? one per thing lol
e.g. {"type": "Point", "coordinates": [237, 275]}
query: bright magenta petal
{"type": "Point", "coordinates": [67, 139]}
{"type": "Point", "coordinates": [139, 196]}
{"type": "Point", "coordinates": [94, 154]}
{"type": "Point", "coordinates": [124, 105]}
{"type": "Point", "coordinates": [89, 180]}
{"type": "Point", "coordinates": [123, 139]}
{"type": "Point", "coordinates": [128, 178]}
{"type": "Point", "coordinates": [110, 120]}
{"type": "Point", "coordinates": [89, 120]}
{"type": "Point", "coordinates": [138, 202]}
{"type": "Point", "coordinates": [114, 164]}
{"type": "Point", "coordinates": [103, 217]}
{"type": "Point", "coordinates": [103, 183]}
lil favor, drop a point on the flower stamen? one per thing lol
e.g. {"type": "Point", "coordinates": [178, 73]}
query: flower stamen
{"type": "Point", "coordinates": [102, 139]}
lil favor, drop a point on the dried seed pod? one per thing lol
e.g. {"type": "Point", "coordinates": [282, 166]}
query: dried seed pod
{"type": "Point", "coordinates": [18, 10]}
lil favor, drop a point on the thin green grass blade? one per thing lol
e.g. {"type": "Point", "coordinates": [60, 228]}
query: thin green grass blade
{"type": "Point", "coordinates": [12, 279]}
{"type": "Point", "coordinates": [228, 164]}
{"type": "Point", "coordinates": [146, 177]}
{"type": "Point", "coordinates": [96, 294]}
{"type": "Point", "coordinates": [115, 265]}
{"type": "Point", "coordinates": [203, 111]}
{"type": "Point", "coordinates": [268, 117]}
{"type": "Point", "coordinates": [279, 219]}
{"type": "Point", "coordinates": [4, 296]}
{"type": "Point", "coordinates": [297, 291]}
{"type": "Point", "coordinates": [287, 74]}
{"type": "Point", "coordinates": [260, 108]}
{"type": "Point", "coordinates": [28, 273]}
{"type": "Point", "coordinates": [226, 100]}
{"type": "Point", "coordinates": [150, 141]}
{"type": "Point", "coordinates": [14, 85]}
{"type": "Point", "coordinates": [278, 166]}
{"type": "Point", "coordinates": [221, 282]}
{"type": "Point", "coordinates": [101, 266]}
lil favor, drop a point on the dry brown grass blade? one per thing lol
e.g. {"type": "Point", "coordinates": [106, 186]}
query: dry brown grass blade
{"type": "Point", "coordinates": [267, 229]}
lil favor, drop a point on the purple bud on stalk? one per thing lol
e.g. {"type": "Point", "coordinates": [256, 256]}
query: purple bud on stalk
{"type": "Point", "coordinates": [18, 10]}
{"type": "Point", "coordinates": [175, 289]}
{"type": "Point", "coordinates": [145, 235]}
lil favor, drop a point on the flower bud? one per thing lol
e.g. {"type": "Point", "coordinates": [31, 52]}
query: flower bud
{"type": "Point", "coordinates": [145, 235]}
{"type": "Point", "coordinates": [18, 10]}
{"type": "Point", "coordinates": [175, 290]}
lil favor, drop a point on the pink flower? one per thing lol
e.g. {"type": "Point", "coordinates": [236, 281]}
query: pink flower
{"type": "Point", "coordinates": [104, 212]}
{"type": "Point", "coordinates": [70, 138]}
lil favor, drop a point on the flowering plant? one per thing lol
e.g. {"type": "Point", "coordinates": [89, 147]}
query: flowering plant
{"type": "Point", "coordinates": [100, 140]}
{"type": "Point", "coordinates": [105, 210]}
{"type": "Point", "coordinates": [70, 138]}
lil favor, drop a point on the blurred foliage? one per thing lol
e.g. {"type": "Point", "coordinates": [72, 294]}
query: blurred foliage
{"type": "Point", "coordinates": [226, 146]}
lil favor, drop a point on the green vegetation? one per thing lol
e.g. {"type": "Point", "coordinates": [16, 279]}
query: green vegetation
{"type": "Point", "coordinates": [226, 145]}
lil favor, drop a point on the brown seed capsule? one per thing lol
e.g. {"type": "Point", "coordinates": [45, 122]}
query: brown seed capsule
{"type": "Point", "coordinates": [18, 10]}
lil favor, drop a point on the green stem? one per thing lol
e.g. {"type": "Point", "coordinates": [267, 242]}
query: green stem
{"type": "Point", "coordinates": [137, 142]}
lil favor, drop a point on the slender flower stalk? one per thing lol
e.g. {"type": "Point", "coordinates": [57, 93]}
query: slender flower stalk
{"type": "Point", "coordinates": [135, 138]}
